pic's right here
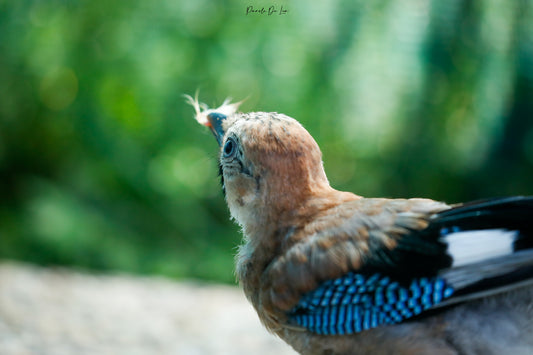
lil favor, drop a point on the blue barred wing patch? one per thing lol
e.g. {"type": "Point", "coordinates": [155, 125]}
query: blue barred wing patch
{"type": "Point", "coordinates": [356, 302]}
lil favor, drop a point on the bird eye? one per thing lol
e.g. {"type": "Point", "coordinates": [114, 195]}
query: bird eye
{"type": "Point", "coordinates": [229, 147]}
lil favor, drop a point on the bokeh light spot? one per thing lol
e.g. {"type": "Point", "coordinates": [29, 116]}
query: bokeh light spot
{"type": "Point", "coordinates": [58, 88]}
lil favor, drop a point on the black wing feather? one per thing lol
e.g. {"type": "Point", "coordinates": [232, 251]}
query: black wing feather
{"type": "Point", "coordinates": [426, 253]}
{"type": "Point", "coordinates": [511, 213]}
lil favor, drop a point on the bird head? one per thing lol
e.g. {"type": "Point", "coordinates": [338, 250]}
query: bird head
{"type": "Point", "coordinates": [269, 163]}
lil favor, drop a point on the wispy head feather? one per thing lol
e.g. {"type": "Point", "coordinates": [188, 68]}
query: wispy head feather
{"type": "Point", "coordinates": [202, 110]}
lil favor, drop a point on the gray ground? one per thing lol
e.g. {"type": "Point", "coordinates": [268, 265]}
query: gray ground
{"type": "Point", "coordinates": [62, 312]}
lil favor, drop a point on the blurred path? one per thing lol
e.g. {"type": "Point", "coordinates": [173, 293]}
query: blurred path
{"type": "Point", "coordinates": [56, 312]}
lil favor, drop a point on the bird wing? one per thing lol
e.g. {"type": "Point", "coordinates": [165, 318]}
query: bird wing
{"type": "Point", "coordinates": [356, 302]}
{"type": "Point", "coordinates": [463, 253]}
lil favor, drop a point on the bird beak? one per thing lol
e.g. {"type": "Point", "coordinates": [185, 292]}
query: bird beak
{"type": "Point", "coordinates": [215, 124]}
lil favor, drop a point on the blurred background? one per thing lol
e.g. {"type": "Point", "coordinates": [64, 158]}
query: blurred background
{"type": "Point", "coordinates": [102, 166]}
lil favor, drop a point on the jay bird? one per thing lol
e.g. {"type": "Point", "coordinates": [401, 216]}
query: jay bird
{"type": "Point", "coordinates": [331, 272]}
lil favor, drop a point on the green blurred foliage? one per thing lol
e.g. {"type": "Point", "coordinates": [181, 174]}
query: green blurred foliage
{"type": "Point", "coordinates": [102, 165]}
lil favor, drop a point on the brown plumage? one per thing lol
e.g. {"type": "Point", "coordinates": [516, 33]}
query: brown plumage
{"type": "Point", "coordinates": [299, 232]}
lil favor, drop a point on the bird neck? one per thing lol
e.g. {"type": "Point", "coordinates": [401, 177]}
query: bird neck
{"type": "Point", "coordinates": [271, 234]}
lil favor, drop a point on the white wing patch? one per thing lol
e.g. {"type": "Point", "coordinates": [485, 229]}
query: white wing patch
{"type": "Point", "coordinates": [474, 246]}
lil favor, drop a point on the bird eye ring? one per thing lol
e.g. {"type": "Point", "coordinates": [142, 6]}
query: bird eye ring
{"type": "Point", "coordinates": [229, 147]}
